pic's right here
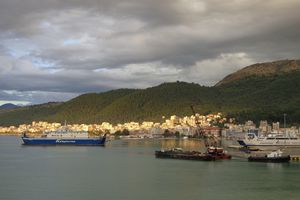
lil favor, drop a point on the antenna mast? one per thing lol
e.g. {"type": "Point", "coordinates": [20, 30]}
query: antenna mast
{"type": "Point", "coordinates": [284, 123]}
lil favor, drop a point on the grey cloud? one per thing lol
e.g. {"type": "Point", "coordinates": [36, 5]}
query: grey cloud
{"type": "Point", "coordinates": [76, 46]}
{"type": "Point", "coordinates": [35, 97]}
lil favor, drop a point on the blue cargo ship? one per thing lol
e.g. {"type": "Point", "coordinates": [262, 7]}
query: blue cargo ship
{"type": "Point", "coordinates": [64, 137]}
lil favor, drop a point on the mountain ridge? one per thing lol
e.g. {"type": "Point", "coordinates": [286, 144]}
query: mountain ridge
{"type": "Point", "coordinates": [254, 97]}
{"type": "Point", "coordinates": [8, 106]}
{"type": "Point", "coordinates": [262, 69]}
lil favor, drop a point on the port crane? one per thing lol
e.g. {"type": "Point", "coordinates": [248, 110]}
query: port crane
{"type": "Point", "coordinates": [199, 131]}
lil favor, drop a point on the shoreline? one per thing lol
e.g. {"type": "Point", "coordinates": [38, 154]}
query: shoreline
{"type": "Point", "coordinates": [10, 134]}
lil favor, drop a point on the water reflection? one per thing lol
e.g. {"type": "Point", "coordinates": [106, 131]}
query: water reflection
{"type": "Point", "coordinates": [186, 144]}
{"type": "Point", "coordinates": [189, 145]}
{"type": "Point", "coordinates": [130, 168]}
{"type": "Point", "coordinates": [276, 167]}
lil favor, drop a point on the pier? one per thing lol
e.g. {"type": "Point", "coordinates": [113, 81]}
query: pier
{"type": "Point", "coordinates": [295, 158]}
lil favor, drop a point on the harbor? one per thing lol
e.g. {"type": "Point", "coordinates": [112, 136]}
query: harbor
{"type": "Point", "coordinates": [149, 100]}
{"type": "Point", "coordinates": [130, 167]}
{"type": "Point", "coordinates": [204, 158]}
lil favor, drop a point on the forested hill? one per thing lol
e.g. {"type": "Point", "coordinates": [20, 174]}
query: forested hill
{"type": "Point", "coordinates": [255, 96]}
{"type": "Point", "coordinates": [263, 69]}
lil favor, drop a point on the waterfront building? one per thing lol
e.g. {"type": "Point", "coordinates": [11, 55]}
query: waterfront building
{"type": "Point", "coordinates": [249, 125]}
{"type": "Point", "coordinates": [212, 131]}
{"type": "Point", "coordinates": [186, 125]}
{"type": "Point", "coordinates": [263, 126]}
{"type": "Point", "coordinates": [275, 127]}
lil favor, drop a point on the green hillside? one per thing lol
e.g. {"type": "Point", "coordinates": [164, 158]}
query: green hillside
{"type": "Point", "coordinates": [28, 114]}
{"type": "Point", "coordinates": [251, 97]}
{"type": "Point", "coordinates": [87, 107]}
{"type": "Point", "coordinates": [263, 69]}
{"type": "Point", "coordinates": [263, 97]}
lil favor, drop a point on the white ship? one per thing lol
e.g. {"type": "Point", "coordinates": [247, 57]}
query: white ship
{"type": "Point", "coordinates": [252, 139]}
{"type": "Point", "coordinates": [272, 140]}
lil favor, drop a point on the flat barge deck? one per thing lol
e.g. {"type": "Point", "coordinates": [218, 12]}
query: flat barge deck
{"type": "Point", "coordinates": [212, 154]}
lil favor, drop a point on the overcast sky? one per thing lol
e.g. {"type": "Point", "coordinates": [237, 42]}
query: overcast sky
{"type": "Point", "coordinates": [53, 50]}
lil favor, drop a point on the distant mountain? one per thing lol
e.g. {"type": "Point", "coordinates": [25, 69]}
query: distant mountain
{"type": "Point", "coordinates": [253, 95]}
{"type": "Point", "coordinates": [263, 69]}
{"type": "Point", "coordinates": [8, 106]}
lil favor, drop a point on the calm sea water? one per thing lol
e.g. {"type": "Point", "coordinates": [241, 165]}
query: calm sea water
{"type": "Point", "coordinates": [128, 170]}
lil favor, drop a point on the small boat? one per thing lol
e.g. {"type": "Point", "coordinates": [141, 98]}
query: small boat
{"type": "Point", "coordinates": [274, 156]}
{"type": "Point", "coordinates": [212, 154]}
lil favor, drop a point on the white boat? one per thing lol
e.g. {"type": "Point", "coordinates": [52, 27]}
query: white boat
{"type": "Point", "coordinates": [272, 140]}
{"type": "Point", "coordinates": [274, 156]}
{"type": "Point", "coordinates": [252, 139]}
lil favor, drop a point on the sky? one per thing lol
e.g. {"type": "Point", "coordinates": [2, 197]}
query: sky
{"type": "Point", "coordinates": [54, 50]}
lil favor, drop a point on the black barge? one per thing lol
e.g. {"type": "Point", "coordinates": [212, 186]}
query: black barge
{"type": "Point", "coordinates": [212, 154]}
{"type": "Point", "coordinates": [268, 159]}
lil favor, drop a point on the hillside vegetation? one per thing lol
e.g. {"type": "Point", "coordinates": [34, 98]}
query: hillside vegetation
{"type": "Point", "coordinates": [255, 97]}
{"type": "Point", "coordinates": [263, 69]}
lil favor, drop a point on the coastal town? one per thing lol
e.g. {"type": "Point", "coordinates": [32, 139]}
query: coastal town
{"type": "Point", "coordinates": [215, 125]}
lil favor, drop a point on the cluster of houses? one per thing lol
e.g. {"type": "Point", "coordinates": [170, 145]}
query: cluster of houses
{"type": "Point", "coordinates": [209, 125]}
{"type": "Point", "coordinates": [263, 128]}
{"type": "Point", "coordinates": [186, 126]}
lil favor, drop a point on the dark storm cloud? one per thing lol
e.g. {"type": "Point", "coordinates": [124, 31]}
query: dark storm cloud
{"type": "Point", "coordinates": [64, 48]}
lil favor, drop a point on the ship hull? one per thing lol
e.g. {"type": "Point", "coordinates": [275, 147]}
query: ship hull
{"type": "Point", "coordinates": [191, 156]}
{"type": "Point", "coordinates": [64, 141]}
{"type": "Point", "coordinates": [183, 156]}
{"type": "Point", "coordinates": [268, 159]}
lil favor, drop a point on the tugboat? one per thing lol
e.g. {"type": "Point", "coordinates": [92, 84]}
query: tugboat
{"type": "Point", "coordinates": [274, 156]}
{"type": "Point", "coordinates": [218, 153]}
{"type": "Point", "coordinates": [212, 154]}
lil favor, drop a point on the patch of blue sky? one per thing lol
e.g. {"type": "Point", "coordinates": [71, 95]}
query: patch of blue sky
{"type": "Point", "coordinates": [49, 66]}
{"type": "Point", "coordinates": [45, 24]}
{"type": "Point", "coordinates": [71, 41]}
{"type": "Point", "coordinates": [18, 53]}
{"type": "Point", "coordinates": [9, 91]}
{"type": "Point", "coordinates": [42, 63]}
{"type": "Point", "coordinates": [14, 102]}
{"type": "Point", "coordinates": [102, 70]}
{"type": "Point", "coordinates": [18, 47]}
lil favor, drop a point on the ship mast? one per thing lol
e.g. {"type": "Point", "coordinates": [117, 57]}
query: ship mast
{"type": "Point", "coordinates": [65, 126]}
{"type": "Point", "coordinates": [198, 131]}
{"type": "Point", "coordinates": [284, 127]}
{"type": "Point", "coordinates": [284, 123]}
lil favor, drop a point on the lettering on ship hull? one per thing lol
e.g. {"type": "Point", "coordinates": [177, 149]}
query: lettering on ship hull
{"type": "Point", "coordinates": [65, 141]}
